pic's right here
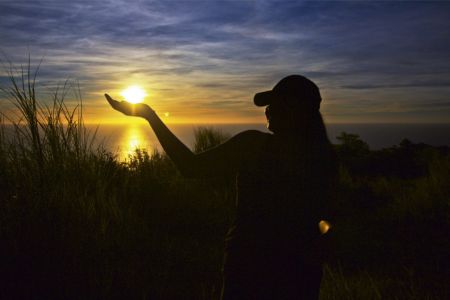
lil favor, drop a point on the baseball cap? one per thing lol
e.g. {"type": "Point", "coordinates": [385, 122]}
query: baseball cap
{"type": "Point", "coordinates": [293, 88]}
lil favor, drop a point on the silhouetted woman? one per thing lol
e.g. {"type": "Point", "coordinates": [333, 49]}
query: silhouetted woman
{"type": "Point", "coordinates": [284, 183]}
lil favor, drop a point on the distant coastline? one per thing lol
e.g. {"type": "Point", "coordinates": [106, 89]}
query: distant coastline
{"type": "Point", "coordinates": [376, 135]}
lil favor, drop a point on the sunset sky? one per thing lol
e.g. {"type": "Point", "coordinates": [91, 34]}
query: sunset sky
{"type": "Point", "coordinates": [202, 61]}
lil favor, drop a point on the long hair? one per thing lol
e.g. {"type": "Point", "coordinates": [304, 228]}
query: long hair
{"type": "Point", "coordinates": [320, 163]}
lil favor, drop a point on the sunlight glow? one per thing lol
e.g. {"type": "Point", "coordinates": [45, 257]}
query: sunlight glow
{"type": "Point", "coordinates": [132, 139]}
{"type": "Point", "coordinates": [134, 94]}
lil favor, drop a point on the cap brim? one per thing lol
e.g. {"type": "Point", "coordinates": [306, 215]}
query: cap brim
{"type": "Point", "coordinates": [264, 98]}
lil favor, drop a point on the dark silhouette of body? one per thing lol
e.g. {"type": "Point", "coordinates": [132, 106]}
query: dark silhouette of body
{"type": "Point", "coordinates": [284, 181]}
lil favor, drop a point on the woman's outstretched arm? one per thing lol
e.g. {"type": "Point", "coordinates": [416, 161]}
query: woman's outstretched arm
{"type": "Point", "coordinates": [221, 160]}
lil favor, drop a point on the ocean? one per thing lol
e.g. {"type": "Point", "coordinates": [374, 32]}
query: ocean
{"type": "Point", "coordinates": [123, 139]}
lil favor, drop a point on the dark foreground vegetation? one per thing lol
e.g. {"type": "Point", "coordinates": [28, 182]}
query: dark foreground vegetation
{"type": "Point", "coordinates": [77, 223]}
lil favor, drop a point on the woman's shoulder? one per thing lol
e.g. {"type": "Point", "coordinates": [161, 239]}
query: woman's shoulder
{"type": "Point", "coordinates": [246, 144]}
{"type": "Point", "coordinates": [252, 138]}
{"type": "Point", "coordinates": [253, 133]}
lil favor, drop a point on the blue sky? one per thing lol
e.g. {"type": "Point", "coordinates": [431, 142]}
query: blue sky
{"type": "Point", "coordinates": [202, 61]}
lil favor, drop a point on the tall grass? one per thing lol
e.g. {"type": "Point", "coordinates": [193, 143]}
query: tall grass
{"type": "Point", "coordinates": [75, 223]}
{"type": "Point", "coordinates": [208, 137]}
{"type": "Point", "coordinates": [55, 199]}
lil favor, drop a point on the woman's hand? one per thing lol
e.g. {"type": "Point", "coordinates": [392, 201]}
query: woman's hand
{"type": "Point", "coordinates": [129, 109]}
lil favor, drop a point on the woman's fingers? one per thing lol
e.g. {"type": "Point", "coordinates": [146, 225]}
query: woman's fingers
{"type": "Point", "coordinates": [109, 98]}
{"type": "Point", "coordinates": [120, 106]}
{"type": "Point", "coordinates": [111, 101]}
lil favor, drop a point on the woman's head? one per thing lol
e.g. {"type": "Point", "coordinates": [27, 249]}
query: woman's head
{"type": "Point", "coordinates": [291, 105]}
{"type": "Point", "coordinates": [282, 118]}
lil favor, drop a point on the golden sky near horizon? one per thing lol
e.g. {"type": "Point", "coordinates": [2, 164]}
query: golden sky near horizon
{"type": "Point", "coordinates": [173, 108]}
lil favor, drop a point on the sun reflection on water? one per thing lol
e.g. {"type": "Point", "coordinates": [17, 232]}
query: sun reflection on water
{"type": "Point", "coordinates": [134, 137]}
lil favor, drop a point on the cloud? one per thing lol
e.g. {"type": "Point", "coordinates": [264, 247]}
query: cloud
{"type": "Point", "coordinates": [413, 84]}
{"type": "Point", "coordinates": [228, 50]}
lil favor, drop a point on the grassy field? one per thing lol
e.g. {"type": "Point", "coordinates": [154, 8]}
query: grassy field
{"type": "Point", "coordinates": [77, 223]}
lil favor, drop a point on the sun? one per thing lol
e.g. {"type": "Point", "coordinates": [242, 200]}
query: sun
{"type": "Point", "coordinates": [134, 94]}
